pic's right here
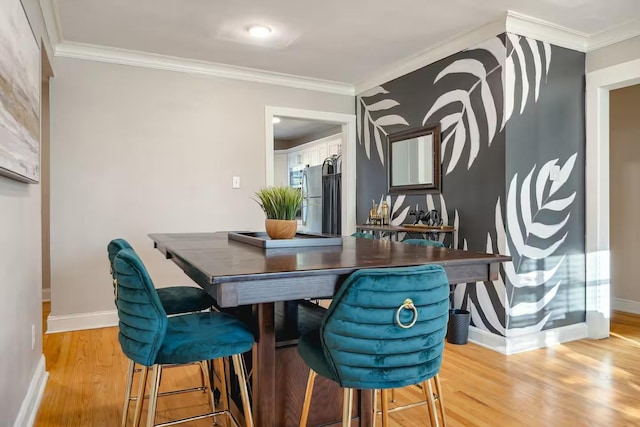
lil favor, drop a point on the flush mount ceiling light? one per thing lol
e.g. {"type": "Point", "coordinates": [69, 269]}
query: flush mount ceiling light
{"type": "Point", "coordinates": [276, 120]}
{"type": "Point", "coordinates": [259, 31]}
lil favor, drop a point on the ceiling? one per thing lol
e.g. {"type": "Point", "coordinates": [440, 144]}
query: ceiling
{"type": "Point", "coordinates": [343, 41]}
{"type": "Point", "coordinates": [290, 129]}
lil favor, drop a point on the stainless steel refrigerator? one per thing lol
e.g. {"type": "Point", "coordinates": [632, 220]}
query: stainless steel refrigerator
{"type": "Point", "coordinates": [321, 207]}
{"type": "Point", "coordinates": [312, 201]}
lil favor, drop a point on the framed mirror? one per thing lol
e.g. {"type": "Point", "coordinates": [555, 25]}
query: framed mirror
{"type": "Point", "coordinates": [413, 161]}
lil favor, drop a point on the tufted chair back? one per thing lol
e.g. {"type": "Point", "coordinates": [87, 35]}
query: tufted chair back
{"type": "Point", "coordinates": [424, 242]}
{"type": "Point", "coordinates": [113, 248]}
{"type": "Point", "coordinates": [143, 321]}
{"type": "Point", "coordinates": [362, 339]}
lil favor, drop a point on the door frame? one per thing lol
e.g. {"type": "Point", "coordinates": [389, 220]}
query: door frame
{"type": "Point", "coordinates": [598, 287]}
{"type": "Point", "coordinates": [348, 125]}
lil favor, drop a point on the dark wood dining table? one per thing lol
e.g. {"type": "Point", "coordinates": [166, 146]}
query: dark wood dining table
{"type": "Point", "coordinates": [239, 275]}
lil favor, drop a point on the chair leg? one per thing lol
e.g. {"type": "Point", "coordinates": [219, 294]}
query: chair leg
{"type": "Point", "coordinates": [440, 399]}
{"type": "Point", "coordinates": [142, 378]}
{"type": "Point", "coordinates": [219, 367]}
{"type": "Point", "coordinates": [127, 392]}
{"type": "Point", "coordinates": [384, 401]}
{"type": "Point", "coordinates": [206, 378]}
{"type": "Point", "coordinates": [375, 407]}
{"type": "Point", "coordinates": [347, 407]}
{"type": "Point", "coordinates": [203, 373]}
{"type": "Point", "coordinates": [393, 395]}
{"type": "Point", "coordinates": [238, 366]}
{"type": "Point", "coordinates": [307, 398]}
{"type": "Point", "coordinates": [153, 395]}
{"type": "Point", "coordinates": [428, 394]}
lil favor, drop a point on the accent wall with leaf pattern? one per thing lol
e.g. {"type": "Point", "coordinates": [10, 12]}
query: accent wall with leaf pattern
{"type": "Point", "coordinates": [511, 113]}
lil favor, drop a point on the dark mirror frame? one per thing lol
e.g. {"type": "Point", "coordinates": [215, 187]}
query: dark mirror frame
{"type": "Point", "coordinates": [417, 188]}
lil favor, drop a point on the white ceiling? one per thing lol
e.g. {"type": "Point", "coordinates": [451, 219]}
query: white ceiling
{"type": "Point", "coordinates": [340, 40]}
{"type": "Point", "coordinates": [289, 129]}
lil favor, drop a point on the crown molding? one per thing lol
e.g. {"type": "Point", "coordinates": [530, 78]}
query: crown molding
{"type": "Point", "coordinates": [620, 33]}
{"type": "Point", "coordinates": [49, 10]}
{"type": "Point", "coordinates": [539, 29]}
{"type": "Point", "coordinates": [433, 54]}
{"type": "Point", "coordinates": [171, 63]}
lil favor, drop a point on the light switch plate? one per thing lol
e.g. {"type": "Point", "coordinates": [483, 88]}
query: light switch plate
{"type": "Point", "coordinates": [236, 182]}
{"type": "Point", "coordinates": [554, 173]}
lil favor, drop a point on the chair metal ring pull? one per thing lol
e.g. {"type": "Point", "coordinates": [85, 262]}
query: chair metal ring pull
{"type": "Point", "coordinates": [407, 305]}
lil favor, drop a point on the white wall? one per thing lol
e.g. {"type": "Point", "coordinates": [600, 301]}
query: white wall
{"type": "Point", "coordinates": [614, 54]}
{"type": "Point", "coordinates": [624, 152]}
{"type": "Point", "coordinates": [137, 151]}
{"type": "Point", "coordinates": [20, 279]}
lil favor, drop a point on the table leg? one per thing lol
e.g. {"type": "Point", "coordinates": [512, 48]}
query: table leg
{"type": "Point", "coordinates": [264, 367]}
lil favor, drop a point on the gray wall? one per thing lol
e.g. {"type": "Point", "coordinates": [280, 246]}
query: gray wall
{"type": "Point", "coordinates": [137, 151]}
{"type": "Point", "coordinates": [624, 168]}
{"type": "Point", "coordinates": [504, 106]}
{"type": "Point", "coordinates": [614, 54]}
{"type": "Point", "coordinates": [20, 276]}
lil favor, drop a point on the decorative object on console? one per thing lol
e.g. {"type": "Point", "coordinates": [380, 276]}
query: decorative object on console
{"type": "Point", "coordinates": [431, 218]}
{"type": "Point", "coordinates": [280, 204]}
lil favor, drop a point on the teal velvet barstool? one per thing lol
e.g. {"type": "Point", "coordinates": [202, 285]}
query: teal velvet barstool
{"type": "Point", "coordinates": [174, 299]}
{"type": "Point", "coordinates": [150, 338]}
{"type": "Point", "coordinates": [424, 242]}
{"type": "Point", "coordinates": [362, 235]}
{"type": "Point", "coordinates": [384, 329]}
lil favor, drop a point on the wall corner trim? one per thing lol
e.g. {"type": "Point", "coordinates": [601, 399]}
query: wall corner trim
{"type": "Point", "coordinates": [31, 403]}
{"type": "Point", "coordinates": [614, 35]}
{"type": "Point", "coordinates": [545, 31]}
{"type": "Point", "coordinates": [191, 66]}
{"type": "Point", "coordinates": [82, 321]}
{"type": "Point", "coordinates": [49, 10]}
{"type": "Point", "coordinates": [542, 339]}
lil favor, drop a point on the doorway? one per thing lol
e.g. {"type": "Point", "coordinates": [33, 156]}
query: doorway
{"type": "Point", "coordinates": [337, 126]}
{"type": "Point", "coordinates": [46, 73]}
{"type": "Point", "coordinates": [597, 242]}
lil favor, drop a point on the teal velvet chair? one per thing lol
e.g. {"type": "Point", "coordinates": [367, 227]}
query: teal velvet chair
{"type": "Point", "coordinates": [424, 242]}
{"type": "Point", "coordinates": [362, 235]}
{"type": "Point", "coordinates": [154, 340]}
{"type": "Point", "coordinates": [174, 299]}
{"type": "Point", "coordinates": [384, 329]}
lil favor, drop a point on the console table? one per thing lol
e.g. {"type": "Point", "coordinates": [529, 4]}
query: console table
{"type": "Point", "coordinates": [393, 230]}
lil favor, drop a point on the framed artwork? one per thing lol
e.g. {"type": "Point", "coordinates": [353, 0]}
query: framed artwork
{"type": "Point", "coordinates": [19, 95]}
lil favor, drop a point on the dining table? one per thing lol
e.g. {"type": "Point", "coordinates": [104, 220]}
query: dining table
{"type": "Point", "coordinates": [270, 288]}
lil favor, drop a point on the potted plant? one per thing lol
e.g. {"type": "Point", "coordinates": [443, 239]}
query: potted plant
{"type": "Point", "coordinates": [280, 204]}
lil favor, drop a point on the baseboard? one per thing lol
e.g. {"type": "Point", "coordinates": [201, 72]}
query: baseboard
{"type": "Point", "coordinates": [625, 305]}
{"type": "Point", "coordinates": [46, 294]}
{"type": "Point", "coordinates": [31, 403]}
{"type": "Point", "coordinates": [486, 339]}
{"type": "Point", "coordinates": [513, 345]}
{"type": "Point", "coordinates": [77, 322]}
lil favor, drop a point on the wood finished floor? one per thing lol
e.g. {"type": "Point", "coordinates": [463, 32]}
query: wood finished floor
{"type": "Point", "coordinates": [582, 383]}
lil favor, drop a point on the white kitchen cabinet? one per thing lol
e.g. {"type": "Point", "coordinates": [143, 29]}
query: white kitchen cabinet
{"type": "Point", "coordinates": [281, 168]}
{"type": "Point", "coordinates": [334, 146]}
{"type": "Point", "coordinates": [323, 152]}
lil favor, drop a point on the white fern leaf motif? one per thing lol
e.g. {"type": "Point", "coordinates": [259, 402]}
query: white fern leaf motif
{"type": "Point", "coordinates": [514, 73]}
{"type": "Point", "coordinates": [367, 123]}
{"type": "Point", "coordinates": [399, 216]}
{"type": "Point", "coordinates": [454, 126]}
{"type": "Point", "coordinates": [523, 232]}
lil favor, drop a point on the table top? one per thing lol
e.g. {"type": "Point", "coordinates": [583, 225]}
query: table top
{"type": "Point", "coordinates": [407, 228]}
{"type": "Point", "coordinates": [217, 260]}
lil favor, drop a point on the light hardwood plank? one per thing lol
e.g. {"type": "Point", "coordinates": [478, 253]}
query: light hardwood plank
{"type": "Point", "coordinates": [580, 383]}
